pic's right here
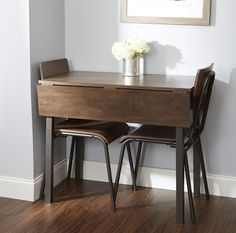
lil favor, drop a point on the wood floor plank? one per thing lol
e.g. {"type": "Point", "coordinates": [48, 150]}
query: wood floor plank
{"type": "Point", "coordinates": [85, 207]}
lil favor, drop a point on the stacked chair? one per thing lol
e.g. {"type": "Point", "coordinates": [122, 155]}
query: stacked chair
{"type": "Point", "coordinates": [167, 135]}
{"type": "Point", "coordinates": [106, 132]}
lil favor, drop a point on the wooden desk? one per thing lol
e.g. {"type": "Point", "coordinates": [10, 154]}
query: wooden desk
{"type": "Point", "coordinates": [150, 99]}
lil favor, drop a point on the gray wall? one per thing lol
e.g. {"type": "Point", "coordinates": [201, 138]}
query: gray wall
{"type": "Point", "coordinates": [47, 42]}
{"type": "Point", "coordinates": [35, 31]}
{"type": "Point", "coordinates": [32, 31]}
{"type": "Point", "coordinates": [16, 141]}
{"type": "Point", "coordinates": [93, 26]}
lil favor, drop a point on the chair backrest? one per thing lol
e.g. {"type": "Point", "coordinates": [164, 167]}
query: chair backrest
{"type": "Point", "coordinates": [200, 77]}
{"type": "Point", "coordinates": [201, 99]}
{"type": "Point", "coordinates": [52, 68]}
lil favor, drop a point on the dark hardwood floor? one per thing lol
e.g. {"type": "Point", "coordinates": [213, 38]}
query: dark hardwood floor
{"type": "Point", "coordinates": [85, 207]}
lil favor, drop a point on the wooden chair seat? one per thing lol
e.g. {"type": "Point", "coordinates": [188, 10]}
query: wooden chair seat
{"type": "Point", "coordinates": [151, 133]}
{"type": "Point", "coordinates": [105, 131]}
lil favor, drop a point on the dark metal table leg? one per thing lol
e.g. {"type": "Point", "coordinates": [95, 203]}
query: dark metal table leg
{"type": "Point", "coordinates": [49, 160]}
{"type": "Point", "coordinates": [179, 175]}
{"type": "Point", "coordinates": [79, 158]}
{"type": "Point", "coordinates": [196, 170]}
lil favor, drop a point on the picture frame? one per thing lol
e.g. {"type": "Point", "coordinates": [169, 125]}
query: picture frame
{"type": "Point", "coordinates": [186, 12]}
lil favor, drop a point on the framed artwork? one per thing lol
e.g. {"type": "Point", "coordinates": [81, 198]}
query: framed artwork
{"type": "Point", "coordinates": [189, 12]}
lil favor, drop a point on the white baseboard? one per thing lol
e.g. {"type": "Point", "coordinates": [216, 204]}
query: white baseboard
{"type": "Point", "coordinates": [159, 178]}
{"type": "Point", "coordinates": [224, 186]}
{"type": "Point", "coordinates": [16, 188]}
{"type": "Point", "coordinates": [60, 171]}
{"type": "Point", "coordinates": [147, 177]}
{"type": "Point", "coordinates": [26, 189]}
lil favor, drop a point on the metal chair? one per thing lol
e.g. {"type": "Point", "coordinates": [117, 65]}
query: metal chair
{"type": "Point", "coordinates": [167, 135]}
{"type": "Point", "coordinates": [106, 132]}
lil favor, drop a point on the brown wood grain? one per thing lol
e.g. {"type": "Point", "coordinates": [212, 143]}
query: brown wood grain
{"type": "Point", "coordinates": [168, 108]}
{"type": "Point", "coordinates": [84, 207]}
{"type": "Point", "coordinates": [116, 80]}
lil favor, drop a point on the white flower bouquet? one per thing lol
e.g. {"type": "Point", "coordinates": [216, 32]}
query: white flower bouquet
{"type": "Point", "coordinates": [130, 49]}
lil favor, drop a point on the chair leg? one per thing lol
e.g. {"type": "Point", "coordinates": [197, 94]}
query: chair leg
{"type": "Point", "coordinates": [131, 167]}
{"type": "Point", "coordinates": [203, 168]}
{"type": "Point", "coordinates": [109, 174]}
{"type": "Point", "coordinates": [137, 160]}
{"type": "Point", "coordinates": [41, 195]}
{"type": "Point", "coordinates": [72, 149]}
{"type": "Point", "coordinates": [190, 196]}
{"type": "Point", "coordinates": [122, 151]}
{"type": "Point", "coordinates": [79, 158]}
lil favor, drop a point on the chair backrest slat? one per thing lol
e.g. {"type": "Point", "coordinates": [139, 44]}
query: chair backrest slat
{"type": "Point", "coordinates": [204, 100]}
{"type": "Point", "coordinates": [200, 77]}
{"type": "Point", "coordinates": [201, 101]}
{"type": "Point", "coordinates": [52, 68]}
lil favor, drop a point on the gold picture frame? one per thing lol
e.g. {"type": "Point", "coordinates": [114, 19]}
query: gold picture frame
{"type": "Point", "coordinates": [141, 15]}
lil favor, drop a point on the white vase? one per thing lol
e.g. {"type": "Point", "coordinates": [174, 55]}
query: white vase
{"type": "Point", "coordinates": [131, 67]}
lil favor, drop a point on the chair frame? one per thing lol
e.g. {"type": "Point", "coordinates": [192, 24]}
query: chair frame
{"type": "Point", "coordinates": [201, 101]}
{"type": "Point", "coordinates": [107, 159]}
{"type": "Point", "coordinates": [58, 67]}
{"type": "Point", "coordinates": [74, 145]}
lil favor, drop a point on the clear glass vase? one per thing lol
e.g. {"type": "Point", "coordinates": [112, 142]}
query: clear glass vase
{"type": "Point", "coordinates": [131, 67]}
